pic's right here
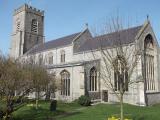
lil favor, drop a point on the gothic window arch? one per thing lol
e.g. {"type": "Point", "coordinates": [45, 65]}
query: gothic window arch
{"type": "Point", "coordinates": [23, 61]}
{"type": "Point", "coordinates": [148, 42]}
{"type": "Point", "coordinates": [46, 59]}
{"type": "Point", "coordinates": [120, 74]}
{"type": "Point", "coordinates": [65, 83]}
{"type": "Point", "coordinates": [93, 79]}
{"type": "Point", "coordinates": [31, 60]}
{"type": "Point", "coordinates": [149, 62]}
{"type": "Point", "coordinates": [63, 56]}
{"type": "Point", "coordinates": [34, 26]}
{"type": "Point", "coordinates": [50, 58]}
{"type": "Point", "coordinates": [40, 59]}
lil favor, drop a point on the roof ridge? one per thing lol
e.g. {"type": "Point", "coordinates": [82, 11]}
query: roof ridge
{"type": "Point", "coordinates": [62, 37]}
{"type": "Point", "coordinates": [80, 34]}
{"type": "Point", "coordinates": [66, 40]}
{"type": "Point", "coordinates": [109, 40]}
{"type": "Point", "coordinates": [122, 30]}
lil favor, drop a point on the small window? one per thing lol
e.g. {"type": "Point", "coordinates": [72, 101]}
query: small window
{"type": "Point", "coordinates": [40, 57]}
{"type": "Point", "coordinates": [148, 43]}
{"type": "Point", "coordinates": [31, 60]}
{"type": "Point", "coordinates": [17, 25]}
{"type": "Point", "coordinates": [62, 56]}
{"type": "Point", "coordinates": [34, 26]}
{"type": "Point", "coordinates": [50, 58]}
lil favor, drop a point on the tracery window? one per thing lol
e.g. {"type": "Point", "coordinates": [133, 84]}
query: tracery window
{"type": "Point", "coordinates": [120, 74]}
{"type": "Point", "coordinates": [93, 79]}
{"type": "Point", "coordinates": [149, 62]}
{"type": "Point", "coordinates": [65, 83]}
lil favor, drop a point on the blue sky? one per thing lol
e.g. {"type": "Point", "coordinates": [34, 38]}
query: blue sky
{"type": "Point", "coordinates": [63, 17]}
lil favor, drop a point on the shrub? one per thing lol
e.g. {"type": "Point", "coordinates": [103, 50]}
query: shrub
{"type": "Point", "coordinates": [84, 100]}
{"type": "Point", "coordinates": [2, 112]}
{"type": "Point", "coordinates": [53, 105]}
{"type": "Point", "coordinates": [16, 100]}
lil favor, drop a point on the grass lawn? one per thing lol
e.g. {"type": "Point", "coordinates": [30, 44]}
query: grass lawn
{"type": "Point", "coordinates": [73, 111]}
{"type": "Point", "coordinates": [29, 112]}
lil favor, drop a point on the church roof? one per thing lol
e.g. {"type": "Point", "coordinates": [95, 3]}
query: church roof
{"type": "Point", "coordinates": [122, 37]}
{"type": "Point", "coordinates": [54, 43]}
{"type": "Point", "coordinates": [125, 36]}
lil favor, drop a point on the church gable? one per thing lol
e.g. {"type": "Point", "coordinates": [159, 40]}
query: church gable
{"type": "Point", "coordinates": [76, 39]}
{"type": "Point", "coordinates": [81, 39]}
{"type": "Point", "coordinates": [126, 36]}
{"type": "Point", "coordinates": [60, 42]}
{"type": "Point", "coordinates": [145, 31]}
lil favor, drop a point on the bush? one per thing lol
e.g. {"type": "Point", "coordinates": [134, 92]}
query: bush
{"type": "Point", "coordinates": [84, 100]}
{"type": "Point", "coordinates": [2, 113]}
{"type": "Point", "coordinates": [16, 100]}
{"type": "Point", "coordinates": [53, 105]}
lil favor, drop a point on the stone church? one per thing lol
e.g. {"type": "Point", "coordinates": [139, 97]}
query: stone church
{"type": "Point", "coordinates": [71, 58]}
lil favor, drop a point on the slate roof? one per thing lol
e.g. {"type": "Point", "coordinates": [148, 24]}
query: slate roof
{"type": "Point", "coordinates": [126, 36]}
{"type": "Point", "coordinates": [54, 43]}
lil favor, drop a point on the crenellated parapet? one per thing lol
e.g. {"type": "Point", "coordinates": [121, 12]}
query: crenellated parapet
{"type": "Point", "coordinates": [29, 9]}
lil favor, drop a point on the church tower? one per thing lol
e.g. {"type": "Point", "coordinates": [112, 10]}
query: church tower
{"type": "Point", "coordinates": [28, 30]}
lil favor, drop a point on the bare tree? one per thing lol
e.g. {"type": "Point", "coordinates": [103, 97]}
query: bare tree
{"type": "Point", "coordinates": [117, 63]}
{"type": "Point", "coordinates": [44, 83]}
{"type": "Point", "coordinates": [20, 79]}
{"type": "Point", "coordinates": [50, 86]}
{"type": "Point", "coordinates": [12, 79]}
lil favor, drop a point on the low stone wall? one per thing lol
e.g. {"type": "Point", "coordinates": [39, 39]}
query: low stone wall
{"type": "Point", "coordinates": [94, 95]}
{"type": "Point", "coordinates": [153, 98]}
{"type": "Point", "coordinates": [130, 98]}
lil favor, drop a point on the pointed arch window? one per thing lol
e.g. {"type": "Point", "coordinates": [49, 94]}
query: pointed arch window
{"type": "Point", "coordinates": [65, 83]}
{"type": "Point", "coordinates": [50, 58]}
{"type": "Point", "coordinates": [31, 60]}
{"type": "Point", "coordinates": [63, 56]}
{"type": "Point", "coordinates": [148, 43]}
{"type": "Point", "coordinates": [34, 26]}
{"type": "Point", "coordinates": [40, 58]}
{"type": "Point", "coordinates": [120, 74]}
{"type": "Point", "coordinates": [93, 79]}
{"type": "Point", "coordinates": [149, 62]}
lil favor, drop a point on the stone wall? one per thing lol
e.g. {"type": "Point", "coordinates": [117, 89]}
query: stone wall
{"type": "Point", "coordinates": [153, 98]}
{"type": "Point", "coordinates": [23, 39]}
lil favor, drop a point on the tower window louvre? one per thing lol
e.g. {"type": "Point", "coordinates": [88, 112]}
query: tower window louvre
{"type": "Point", "coordinates": [34, 26]}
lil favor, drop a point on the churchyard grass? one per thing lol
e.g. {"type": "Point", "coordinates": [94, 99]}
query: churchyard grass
{"type": "Point", "coordinates": [73, 111]}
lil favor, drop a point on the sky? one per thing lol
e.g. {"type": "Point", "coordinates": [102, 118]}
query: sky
{"type": "Point", "coordinates": [64, 17]}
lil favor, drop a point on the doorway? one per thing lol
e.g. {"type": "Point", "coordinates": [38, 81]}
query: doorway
{"type": "Point", "coordinates": [105, 95]}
